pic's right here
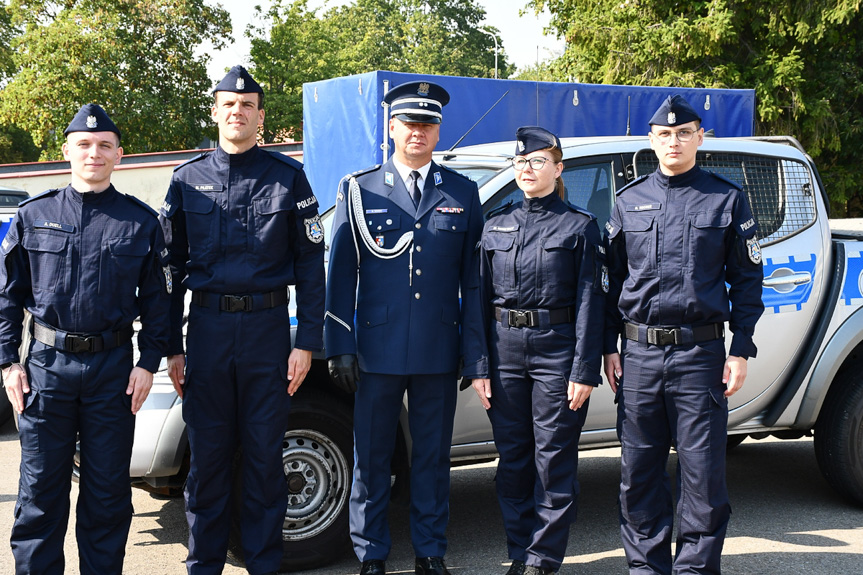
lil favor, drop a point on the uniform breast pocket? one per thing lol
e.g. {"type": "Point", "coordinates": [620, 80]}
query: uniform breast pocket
{"type": "Point", "coordinates": [640, 237]}
{"type": "Point", "coordinates": [706, 239]}
{"type": "Point", "coordinates": [122, 262]}
{"type": "Point", "coordinates": [48, 255]}
{"type": "Point", "coordinates": [501, 254]}
{"type": "Point", "coordinates": [559, 266]}
{"type": "Point", "coordinates": [270, 223]}
{"type": "Point", "coordinates": [202, 225]}
{"type": "Point", "coordinates": [449, 233]}
{"type": "Point", "coordinates": [385, 229]}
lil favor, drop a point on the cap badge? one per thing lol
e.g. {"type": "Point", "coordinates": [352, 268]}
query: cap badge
{"type": "Point", "coordinates": [672, 118]}
{"type": "Point", "coordinates": [241, 84]}
{"type": "Point", "coordinates": [520, 145]}
{"type": "Point", "coordinates": [424, 89]}
{"type": "Point", "coordinates": [91, 122]}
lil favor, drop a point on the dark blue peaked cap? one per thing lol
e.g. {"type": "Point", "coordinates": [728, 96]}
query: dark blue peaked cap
{"type": "Point", "coordinates": [91, 118]}
{"type": "Point", "coordinates": [417, 102]}
{"type": "Point", "coordinates": [674, 111]}
{"type": "Point", "coordinates": [238, 80]}
{"type": "Point", "coordinates": [532, 138]}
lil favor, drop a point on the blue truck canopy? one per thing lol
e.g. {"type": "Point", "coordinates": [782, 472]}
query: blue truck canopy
{"type": "Point", "coordinates": [344, 123]}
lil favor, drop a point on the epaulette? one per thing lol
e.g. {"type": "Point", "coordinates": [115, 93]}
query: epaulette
{"type": "Point", "coordinates": [285, 159]}
{"type": "Point", "coordinates": [190, 160]}
{"type": "Point", "coordinates": [637, 180]}
{"type": "Point", "coordinates": [724, 179]}
{"type": "Point", "coordinates": [456, 172]}
{"type": "Point", "coordinates": [142, 203]}
{"type": "Point", "coordinates": [581, 211]}
{"type": "Point", "coordinates": [498, 210]}
{"type": "Point", "coordinates": [40, 195]}
{"type": "Point", "coordinates": [364, 171]}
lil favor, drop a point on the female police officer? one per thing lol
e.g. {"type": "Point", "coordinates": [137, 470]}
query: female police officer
{"type": "Point", "coordinates": [542, 275]}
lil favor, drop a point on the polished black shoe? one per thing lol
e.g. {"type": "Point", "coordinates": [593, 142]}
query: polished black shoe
{"type": "Point", "coordinates": [374, 567]}
{"type": "Point", "coordinates": [517, 568]}
{"type": "Point", "coordinates": [531, 570]}
{"type": "Point", "coordinates": [431, 566]}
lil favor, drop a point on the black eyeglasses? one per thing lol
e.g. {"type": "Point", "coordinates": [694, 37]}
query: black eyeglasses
{"type": "Point", "coordinates": [683, 135]}
{"type": "Point", "coordinates": [535, 163]}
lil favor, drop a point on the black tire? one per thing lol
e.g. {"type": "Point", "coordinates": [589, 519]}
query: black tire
{"type": "Point", "coordinates": [839, 436]}
{"type": "Point", "coordinates": [734, 441]}
{"type": "Point", "coordinates": [318, 463]}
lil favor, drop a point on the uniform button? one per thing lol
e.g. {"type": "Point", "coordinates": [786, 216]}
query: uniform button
{"type": "Point", "coordinates": [370, 222]}
{"type": "Point", "coordinates": [419, 248]}
{"type": "Point", "coordinates": [379, 227]}
{"type": "Point", "coordinates": [417, 295]}
{"type": "Point", "coordinates": [453, 228]}
{"type": "Point", "coordinates": [419, 272]}
{"type": "Point", "coordinates": [389, 222]}
{"type": "Point", "coordinates": [418, 225]}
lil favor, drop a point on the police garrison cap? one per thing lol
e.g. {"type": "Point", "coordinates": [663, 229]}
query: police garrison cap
{"type": "Point", "coordinates": [91, 118]}
{"type": "Point", "coordinates": [532, 138]}
{"type": "Point", "coordinates": [417, 102]}
{"type": "Point", "coordinates": [674, 111]}
{"type": "Point", "coordinates": [239, 81]}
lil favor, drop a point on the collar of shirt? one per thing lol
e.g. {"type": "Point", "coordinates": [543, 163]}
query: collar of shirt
{"type": "Point", "coordinates": [405, 173]}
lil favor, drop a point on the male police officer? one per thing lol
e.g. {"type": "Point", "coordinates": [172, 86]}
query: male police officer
{"type": "Point", "coordinates": [677, 237]}
{"type": "Point", "coordinates": [85, 261]}
{"type": "Point", "coordinates": [403, 245]}
{"type": "Point", "coordinates": [241, 224]}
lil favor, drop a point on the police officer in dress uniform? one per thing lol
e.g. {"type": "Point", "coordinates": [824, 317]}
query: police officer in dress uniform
{"type": "Point", "coordinates": [404, 244]}
{"type": "Point", "coordinates": [677, 237]}
{"type": "Point", "coordinates": [85, 261]}
{"type": "Point", "coordinates": [241, 225]}
{"type": "Point", "coordinates": [542, 268]}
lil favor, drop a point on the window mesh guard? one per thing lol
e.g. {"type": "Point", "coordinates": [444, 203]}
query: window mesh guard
{"type": "Point", "coordinates": [780, 191]}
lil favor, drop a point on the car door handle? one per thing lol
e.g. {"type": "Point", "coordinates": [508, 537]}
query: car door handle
{"type": "Point", "coordinates": [792, 279]}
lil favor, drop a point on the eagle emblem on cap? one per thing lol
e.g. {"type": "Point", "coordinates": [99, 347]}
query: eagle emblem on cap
{"type": "Point", "coordinates": [672, 118]}
{"type": "Point", "coordinates": [521, 145]}
{"type": "Point", "coordinates": [423, 89]}
{"type": "Point", "coordinates": [91, 122]}
{"type": "Point", "coordinates": [241, 84]}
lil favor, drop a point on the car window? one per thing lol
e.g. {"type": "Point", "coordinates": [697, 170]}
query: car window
{"type": "Point", "coordinates": [7, 199]}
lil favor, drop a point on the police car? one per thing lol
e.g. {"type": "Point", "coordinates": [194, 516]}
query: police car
{"type": "Point", "coordinates": [805, 379]}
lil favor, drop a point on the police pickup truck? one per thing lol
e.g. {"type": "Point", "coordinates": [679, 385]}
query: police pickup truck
{"type": "Point", "coordinates": [806, 379]}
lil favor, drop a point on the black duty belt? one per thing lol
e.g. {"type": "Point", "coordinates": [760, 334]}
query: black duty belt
{"type": "Point", "coordinates": [81, 342]}
{"type": "Point", "coordinates": [674, 335]}
{"type": "Point", "coordinates": [533, 317]}
{"type": "Point", "coordinates": [236, 303]}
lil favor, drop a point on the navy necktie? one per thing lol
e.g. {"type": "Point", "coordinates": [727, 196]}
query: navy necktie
{"type": "Point", "coordinates": [415, 188]}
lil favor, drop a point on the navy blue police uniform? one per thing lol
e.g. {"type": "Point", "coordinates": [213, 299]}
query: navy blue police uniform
{"type": "Point", "coordinates": [85, 265]}
{"type": "Point", "coordinates": [401, 266]}
{"type": "Point", "coordinates": [543, 282]}
{"type": "Point", "coordinates": [675, 242]}
{"type": "Point", "coordinates": [240, 229]}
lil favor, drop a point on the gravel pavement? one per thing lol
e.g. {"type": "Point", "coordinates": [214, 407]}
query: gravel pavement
{"type": "Point", "coordinates": [786, 520]}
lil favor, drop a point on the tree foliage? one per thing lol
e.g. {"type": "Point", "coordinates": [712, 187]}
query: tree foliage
{"type": "Point", "coordinates": [134, 57]}
{"type": "Point", "coordinates": [293, 44]}
{"type": "Point", "coordinates": [804, 60]}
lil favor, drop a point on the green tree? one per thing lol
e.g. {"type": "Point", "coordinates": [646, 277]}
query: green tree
{"type": "Point", "coordinates": [804, 60]}
{"type": "Point", "coordinates": [134, 57]}
{"type": "Point", "coordinates": [16, 146]}
{"type": "Point", "coordinates": [293, 44]}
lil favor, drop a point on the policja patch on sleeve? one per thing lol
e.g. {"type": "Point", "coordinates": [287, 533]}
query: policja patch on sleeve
{"type": "Point", "coordinates": [314, 229]}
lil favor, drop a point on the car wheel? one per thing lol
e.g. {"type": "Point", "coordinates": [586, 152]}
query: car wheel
{"type": "Point", "coordinates": [734, 441]}
{"type": "Point", "coordinates": [317, 456]}
{"type": "Point", "coordinates": [839, 436]}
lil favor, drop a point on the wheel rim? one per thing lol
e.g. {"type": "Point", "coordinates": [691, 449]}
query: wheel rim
{"type": "Point", "coordinates": [317, 475]}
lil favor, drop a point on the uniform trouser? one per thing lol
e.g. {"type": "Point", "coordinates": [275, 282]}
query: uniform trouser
{"type": "Point", "coordinates": [432, 400]}
{"type": "Point", "coordinates": [673, 395]}
{"type": "Point", "coordinates": [536, 434]}
{"type": "Point", "coordinates": [74, 395]}
{"type": "Point", "coordinates": [236, 395]}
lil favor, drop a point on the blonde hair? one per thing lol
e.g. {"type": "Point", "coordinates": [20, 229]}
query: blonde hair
{"type": "Point", "coordinates": [557, 157]}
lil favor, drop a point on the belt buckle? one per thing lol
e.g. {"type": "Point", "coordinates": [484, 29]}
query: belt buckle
{"type": "Point", "coordinates": [662, 336]}
{"type": "Point", "coordinates": [81, 343]}
{"type": "Point", "coordinates": [235, 303]}
{"type": "Point", "coordinates": [519, 318]}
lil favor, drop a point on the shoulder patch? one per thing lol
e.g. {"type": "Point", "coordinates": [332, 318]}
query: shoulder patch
{"type": "Point", "coordinates": [498, 210]}
{"type": "Point", "coordinates": [39, 196]}
{"type": "Point", "coordinates": [722, 178]}
{"type": "Point", "coordinates": [285, 159]}
{"type": "Point", "coordinates": [142, 203]}
{"type": "Point", "coordinates": [189, 161]}
{"type": "Point", "coordinates": [637, 180]}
